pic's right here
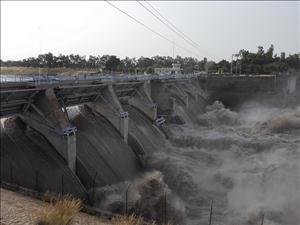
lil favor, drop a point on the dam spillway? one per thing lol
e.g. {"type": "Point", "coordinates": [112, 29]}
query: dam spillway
{"type": "Point", "coordinates": [74, 136]}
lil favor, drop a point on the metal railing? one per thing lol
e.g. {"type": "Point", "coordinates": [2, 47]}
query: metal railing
{"type": "Point", "coordinates": [51, 79]}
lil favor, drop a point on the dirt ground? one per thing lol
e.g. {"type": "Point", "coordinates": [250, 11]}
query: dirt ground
{"type": "Point", "coordinates": [17, 209]}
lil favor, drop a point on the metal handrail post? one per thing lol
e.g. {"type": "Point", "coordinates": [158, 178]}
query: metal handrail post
{"type": "Point", "coordinates": [126, 198]}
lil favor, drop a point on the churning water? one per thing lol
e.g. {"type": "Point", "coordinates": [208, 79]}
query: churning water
{"type": "Point", "coordinates": [245, 164]}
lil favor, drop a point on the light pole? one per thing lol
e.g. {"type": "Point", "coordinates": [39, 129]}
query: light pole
{"type": "Point", "coordinates": [173, 50]}
{"type": "Point", "coordinates": [240, 66]}
{"type": "Point", "coordinates": [40, 43]}
{"type": "Point", "coordinates": [236, 63]}
{"type": "Point", "coordinates": [231, 63]}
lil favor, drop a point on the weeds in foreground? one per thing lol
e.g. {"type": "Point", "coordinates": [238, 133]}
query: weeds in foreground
{"type": "Point", "coordinates": [62, 209]}
{"type": "Point", "coordinates": [131, 220]}
{"type": "Point", "coordinates": [127, 220]}
{"type": "Point", "coordinates": [60, 212]}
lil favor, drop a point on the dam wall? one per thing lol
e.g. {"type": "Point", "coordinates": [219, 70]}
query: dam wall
{"type": "Point", "coordinates": [235, 90]}
{"type": "Point", "coordinates": [74, 138]}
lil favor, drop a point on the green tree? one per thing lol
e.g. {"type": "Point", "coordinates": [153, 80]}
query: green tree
{"type": "Point", "coordinates": [144, 62]}
{"type": "Point", "coordinates": [223, 66]}
{"type": "Point", "coordinates": [110, 63]}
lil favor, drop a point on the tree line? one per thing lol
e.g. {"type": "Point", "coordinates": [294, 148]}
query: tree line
{"type": "Point", "coordinates": [260, 62]}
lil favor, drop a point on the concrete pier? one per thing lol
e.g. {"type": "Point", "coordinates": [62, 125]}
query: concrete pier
{"type": "Point", "coordinates": [46, 116]}
{"type": "Point", "coordinates": [142, 100]}
{"type": "Point", "coordinates": [108, 105]}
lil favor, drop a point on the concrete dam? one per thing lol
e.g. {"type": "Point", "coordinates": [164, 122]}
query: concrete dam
{"type": "Point", "coordinates": [72, 136]}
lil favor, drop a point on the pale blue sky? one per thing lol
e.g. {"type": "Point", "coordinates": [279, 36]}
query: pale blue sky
{"type": "Point", "coordinates": [96, 28]}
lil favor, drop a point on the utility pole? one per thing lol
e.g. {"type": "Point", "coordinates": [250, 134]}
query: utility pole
{"type": "Point", "coordinates": [240, 66]}
{"type": "Point", "coordinates": [40, 45]}
{"type": "Point", "coordinates": [173, 49]}
{"type": "Point", "coordinates": [236, 64]}
{"type": "Point", "coordinates": [231, 63]}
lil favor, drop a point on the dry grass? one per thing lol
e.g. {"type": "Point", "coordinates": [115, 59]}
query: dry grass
{"type": "Point", "coordinates": [127, 220]}
{"type": "Point", "coordinates": [63, 209]}
{"type": "Point", "coordinates": [60, 212]}
{"type": "Point", "coordinates": [14, 70]}
{"type": "Point", "coordinates": [131, 220]}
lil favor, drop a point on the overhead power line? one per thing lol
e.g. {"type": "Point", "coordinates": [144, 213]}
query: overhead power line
{"type": "Point", "coordinates": [165, 23]}
{"type": "Point", "coordinates": [149, 28]}
{"type": "Point", "coordinates": [177, 30]}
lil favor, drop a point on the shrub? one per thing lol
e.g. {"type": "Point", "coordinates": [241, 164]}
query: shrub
{"type": "Point", "coordinates": [131, 220]}
{"type": "Point", "coordinates": [60, 212]}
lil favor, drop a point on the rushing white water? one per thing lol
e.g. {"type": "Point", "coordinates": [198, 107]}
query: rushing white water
{"type": "Point", "coordinates": [246, 162]}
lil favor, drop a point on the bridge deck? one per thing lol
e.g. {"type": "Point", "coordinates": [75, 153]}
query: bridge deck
{"type": "Point", "coordinates": [19, 92]}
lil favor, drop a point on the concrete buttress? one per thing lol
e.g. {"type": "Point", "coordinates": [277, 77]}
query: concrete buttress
{"type": "Point", "coordinates": [178, 92]}
{"type": "Point", "coordinates": [167, 94]}
{"type": "Point", "coordinates": [161, 96]}
{"type": "Point", "coordinates": [143, 101]}
{"type": "Point", "coordinates": [109, 106]}
{"type": "Point", "coordinates": [47, 117]}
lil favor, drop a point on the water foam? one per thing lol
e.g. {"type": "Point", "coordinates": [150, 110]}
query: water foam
{"type": "Point", "coordinates": [246, 162]}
